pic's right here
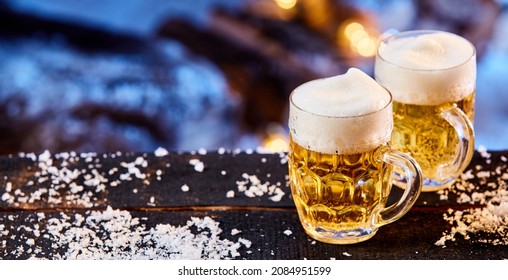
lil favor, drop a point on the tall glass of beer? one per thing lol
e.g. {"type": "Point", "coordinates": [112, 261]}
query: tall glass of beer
{"type": "Point", "coordinates": [431, 76]}
{"type": "Point", "coordinates": [340, 160]}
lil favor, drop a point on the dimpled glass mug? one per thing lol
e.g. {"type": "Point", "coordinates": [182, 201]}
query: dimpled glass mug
{"type": "Point", "coordinates": [431, 76]}
{"type": "Point", "coordinates": [340, 160]}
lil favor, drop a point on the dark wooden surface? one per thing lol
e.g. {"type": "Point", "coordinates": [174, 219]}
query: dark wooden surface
{"type": "Point", "coordinates": [159, 199]}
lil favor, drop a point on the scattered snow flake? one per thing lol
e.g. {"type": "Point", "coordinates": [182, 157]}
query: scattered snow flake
{"type": "Point", "coordinates": [115, 234]}
{"type": "Point", "coordinates": [45, 156]}
{"type": "Point", "coordinates": [245, 242]}
{"type": "Point", "coordinates": [230, 194]}
{"type": "Point", "coordinates": [6, 196]}
{"type": "Point", "coordinates": [198, 165]}
{"type": "Point", "coordinates": [252, 187]}
{"type": "Point", "coordinates": [488, 192]}
{"type": "Point", "coordinates": [160, 152]}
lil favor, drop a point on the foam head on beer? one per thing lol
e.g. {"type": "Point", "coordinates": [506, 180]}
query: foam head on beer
{"type": "Point", "coordinates": [427, 68]}
{"type": "Point", "coordinates": [343, 114]}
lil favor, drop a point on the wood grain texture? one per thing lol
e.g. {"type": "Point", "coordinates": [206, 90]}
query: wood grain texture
{"type": "Point", "coordinates": [265, 223]}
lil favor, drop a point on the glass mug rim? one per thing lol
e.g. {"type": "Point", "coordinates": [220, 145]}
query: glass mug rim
{"type": "Point", "coordinates": [373, 138]}
{"type": "Point", "coordinates": [388, 104]}
{"type": "Point", "coordinates": [415, 33]}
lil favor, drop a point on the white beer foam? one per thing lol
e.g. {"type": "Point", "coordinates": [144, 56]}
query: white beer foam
{"type": "Point", "coordinates": [427, 69]}
{"type": "Point", "coordinates": [343, 114]}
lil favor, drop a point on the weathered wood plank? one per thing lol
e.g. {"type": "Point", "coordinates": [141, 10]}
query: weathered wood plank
{"type": "Point", "coordinates": [221, 173]}
{"type": "Point", "coordinates": [125, 184]}
{"type": "Point", "coordinates": [30, 208]}
{"type": "Point", "coordinates": [412, 237]}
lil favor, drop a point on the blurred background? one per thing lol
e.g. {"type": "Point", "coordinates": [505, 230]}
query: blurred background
{"type": "Point", "coordinates": [133, 75]}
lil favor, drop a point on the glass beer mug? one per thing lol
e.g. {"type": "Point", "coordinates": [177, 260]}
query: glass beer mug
{"type": "Point", "coordinates": [340, 160]}
{"type": "Point", "coordinates": [431, 76]}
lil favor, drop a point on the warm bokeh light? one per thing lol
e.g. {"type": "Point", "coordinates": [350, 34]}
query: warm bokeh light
{"type": "Point", "coordinates": [358, 35]}
{"type": "Point", "coordinates": [366, 47]}
{"type": "Point", "coordinates": [276, 143]}
{"type": "Point", "coordinates": [286, 4]}
{"type": "Point", "coordinates": [359, 39]}
{"type": "Point", "coordinates": [352, 28]}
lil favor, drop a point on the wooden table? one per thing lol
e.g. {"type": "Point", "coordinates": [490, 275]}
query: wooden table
{"type": "Point", "coordinates": [124, 206]}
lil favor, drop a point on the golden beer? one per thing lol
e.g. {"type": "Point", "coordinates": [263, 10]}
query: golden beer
{"type": "Point", "coordinates": [340, 165]}
{"type": "Point", "coordinates": [339, 194]}
{"type": "Point", "coordinates": [432, 77]}
{"type": "Point", "coordinates": [427, 137]}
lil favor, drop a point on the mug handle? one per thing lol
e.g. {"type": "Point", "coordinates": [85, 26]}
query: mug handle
{"type": "Point", "coordinates": [464, 128]}
{"type": "Point", "coordinates": [413, 188]}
